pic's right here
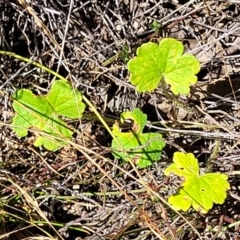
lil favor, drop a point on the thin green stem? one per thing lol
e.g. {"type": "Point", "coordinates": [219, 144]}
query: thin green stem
{"type": "Point", "coordinates": [174, 99]}
{"type": "Point", "coordinates": [37, 64]}
{"type": "Point", "coordinates": [61, 78]}
{"type": "Point", "coordinates": [165, 91]}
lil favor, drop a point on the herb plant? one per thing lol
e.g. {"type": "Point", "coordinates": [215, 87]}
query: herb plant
{"type": "Point", "coordinates": [42, 113]}
{"type": "Point", "coordinates": [143, 148]}
{"type": "Point", "coordinates": [155, 26]}
{"type": "Point", "coordinates": [198, 191]}
{"type": "Point", "coordinates": [163, 63]}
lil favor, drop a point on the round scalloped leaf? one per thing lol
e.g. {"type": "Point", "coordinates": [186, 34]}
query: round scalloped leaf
{"type": "Point", "coordinates": [41, 113]}
{"type": "Point", "coordinates": [142, 148]}
{"type": "Point", "coordinates": [154, 62]}
{"type": "Point", "coordinates": [198, 191]}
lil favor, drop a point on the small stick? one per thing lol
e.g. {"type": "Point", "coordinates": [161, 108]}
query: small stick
{"type": "Point", "coordinates": [178, 19]}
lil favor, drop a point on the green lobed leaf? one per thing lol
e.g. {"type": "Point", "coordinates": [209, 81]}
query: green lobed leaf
{"type": "Point", "coordinates": [41, 113]}
{"type": "Point", "coordinates": [185, 165]}
{"type": "Point", "coordinates": [65, 100]}
{"type": "Point", "coordinates": [198, 191]}
{"type": "Point", "coordinates": [166, 60]}
{"type": "Point", "coordinates": [180, 201]}
{"type": "Point", "coordinates": [142, 148]}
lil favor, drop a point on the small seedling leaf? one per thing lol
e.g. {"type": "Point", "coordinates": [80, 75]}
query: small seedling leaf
{"type": "Point", "coordinates": [166, 60]}
{"type": "Point", "coordinates": [41, 113]}
{"type": "Point", "coordinates": [198, 191]}
{"type": "Point", "coordinates": [142, 148]}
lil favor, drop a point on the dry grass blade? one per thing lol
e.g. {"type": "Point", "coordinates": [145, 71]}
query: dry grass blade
{"type": "Point", "coordinates": [30, 206]}
{"type": "Point", "coordinates": [82, 191]}
{"type": "Point", "coordinates": [38, 22]}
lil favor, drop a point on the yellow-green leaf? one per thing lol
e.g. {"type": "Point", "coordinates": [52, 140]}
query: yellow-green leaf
{"type": "Point", "coordinates": [41, 113]}
{"type": "Point", "coordinates": [166, 60]}
{"type": "Point", "coordinates": [142, 148]}
{"type": "Point", "coordinates": [198, 191]}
